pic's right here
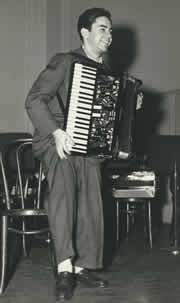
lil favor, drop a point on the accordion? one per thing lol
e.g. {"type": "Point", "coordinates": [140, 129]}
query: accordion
{"type": "Point", "coordinates": [98, 118]}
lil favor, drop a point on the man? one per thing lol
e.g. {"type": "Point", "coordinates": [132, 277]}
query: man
{"type": "Point", "coordinates": [74, 182]}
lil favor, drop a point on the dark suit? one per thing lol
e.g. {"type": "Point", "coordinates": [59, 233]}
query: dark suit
{"type": "Point", "coordinates": [74, 185]}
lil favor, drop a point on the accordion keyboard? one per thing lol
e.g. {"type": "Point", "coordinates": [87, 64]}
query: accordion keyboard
{"type": "Point", "coordinates": [80, 106]}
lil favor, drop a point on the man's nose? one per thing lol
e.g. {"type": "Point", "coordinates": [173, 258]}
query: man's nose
{"type": "Point", "coordinates": [109, 35]}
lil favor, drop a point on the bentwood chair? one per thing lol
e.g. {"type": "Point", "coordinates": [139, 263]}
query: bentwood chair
{"type": "Point", "coordinates": [22, 213]}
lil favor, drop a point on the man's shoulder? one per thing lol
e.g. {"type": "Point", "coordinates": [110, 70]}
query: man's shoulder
{"type": "Point", "coordinates": [63, 57]}
{"type": "Point", "coordinates": [59, 59]}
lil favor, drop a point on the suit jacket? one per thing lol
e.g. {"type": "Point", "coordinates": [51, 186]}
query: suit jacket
{"type": "Point", "coordinates": [46, 102]}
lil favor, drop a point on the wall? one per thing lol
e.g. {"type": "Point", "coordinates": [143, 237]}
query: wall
{"type": "Point", "coordinates": [23, 54]}
{"type": "Point", "coordinates": [59, 26]}
{"type": "Point", "coordinates": [146, 44]}
{"type": "Point", "coordinates": [12, 16]}
{"type": "Point", "coordinates": [146, 35]}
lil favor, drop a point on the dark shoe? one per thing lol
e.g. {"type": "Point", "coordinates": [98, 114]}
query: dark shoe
{"type": "Point", "coordinates": [65, 284]}
{"type": "Point", "coordinates": [88, 279]}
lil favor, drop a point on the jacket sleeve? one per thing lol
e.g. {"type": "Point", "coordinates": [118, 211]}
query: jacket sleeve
{"type": "Point", "coordinates": [42, 92]}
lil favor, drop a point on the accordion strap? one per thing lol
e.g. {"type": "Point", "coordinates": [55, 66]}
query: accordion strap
{"type": "Point", "coordinates": [105, 67]}
{"type": "Point", "coordinates": [85, 60]}
{"type": "Point", "coordinates": [61, 104]}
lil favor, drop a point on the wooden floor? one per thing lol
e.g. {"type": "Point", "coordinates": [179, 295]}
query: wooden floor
{"type": "Point", "coordinates": [136, 275]}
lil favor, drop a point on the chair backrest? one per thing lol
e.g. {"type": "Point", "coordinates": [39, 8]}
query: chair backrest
{"type": "Point", "coordinates": [21, 173]}
{"type": "Point", "coordinates": [29, 169]}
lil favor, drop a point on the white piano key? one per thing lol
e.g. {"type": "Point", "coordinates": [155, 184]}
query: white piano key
{"type": "Point", "coordinates": [80, 141]}
{"type": "Point", "coordinates": [74, 114]}
{"type": "Point", "coordinates": [84, 123]}
{"type": "Point", "coordinates": [79, 103]}
{"type": "Point", "coordinates": [86, 71]}
{"type": "Point", "coordinates": [76, 94]}
{"type": "Point", "coordinates": [72, 125]}
{"type": "Point", "coordinates": [83, 90]}
{"type": "Point", "coordinates": [79, 85]}
{"type": "Point", "coordinates": [78, 64]}
{"type": "Point", "coordinates": [78, 120]}
{"type": "Point", "coordinates": [79, 150]}
{"type": "Point", "coordinates": [85, 75]}
{"type": "Point", "coordinates": [84, 105]}
{"type": "Point", "coordinates": [88, 76]}
{"type": "Point", "coordinates": [84, 99]}
{"type": "Point", "coordinates": [89, 71]}
{"type": "Point", "coordinates": [78, 146]}
{"type": "Point", "coordinates": [74, 131]}
{"type": "Point", "coordinates": [85, 67]}
{"type": "Point", "coordinates": [78, 130]}
{"type": "Point", "coordinates": [81, 78]}
{"type": "Point", "coordinates": [84, 79]}
{"type": "Point", "coordinates": [81, 100]}
{"type": "Point", "coordinates": [80, 94]}
{"type": "Point", "coordinates": [78, 110]}
{"type": "Point", "coordinates": [76, 104]}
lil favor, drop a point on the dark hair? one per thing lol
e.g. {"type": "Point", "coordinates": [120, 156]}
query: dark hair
{"type": "Point", "coordinates": [88, 17]}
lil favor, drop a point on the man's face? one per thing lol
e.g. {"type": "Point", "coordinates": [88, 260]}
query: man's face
{"type": "Point", "coordinates": [99, 37]}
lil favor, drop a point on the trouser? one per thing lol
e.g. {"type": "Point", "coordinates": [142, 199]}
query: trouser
{"type": "Point", "coordinates": [74, 207]}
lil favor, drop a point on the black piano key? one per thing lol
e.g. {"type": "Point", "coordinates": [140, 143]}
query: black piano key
{"type": "Point", "coordinates": [79, 125]}
{"type": "Point", "coordinates": [81, 136]}
{"type": "Point", "coordinates": [87, 83]}
{"type": "Point", "coordinates": [82, 119]}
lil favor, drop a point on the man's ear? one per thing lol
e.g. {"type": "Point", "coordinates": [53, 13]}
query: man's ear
{"type": "Point", "coordinates": [84, 32]}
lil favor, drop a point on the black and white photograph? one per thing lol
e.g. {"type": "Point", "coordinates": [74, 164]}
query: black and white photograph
{"type": "Point", "coordinates": [89, 151]}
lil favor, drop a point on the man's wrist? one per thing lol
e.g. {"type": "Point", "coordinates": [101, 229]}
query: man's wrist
{"type": "Point", "coordinates": [57, 132]}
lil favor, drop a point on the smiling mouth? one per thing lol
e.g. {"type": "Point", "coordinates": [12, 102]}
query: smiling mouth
{"type": "Point", "coordinates": [106, 43]}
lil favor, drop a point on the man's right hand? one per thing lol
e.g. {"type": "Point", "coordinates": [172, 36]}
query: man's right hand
{"type": "Point", "coordinates": [63, 142]}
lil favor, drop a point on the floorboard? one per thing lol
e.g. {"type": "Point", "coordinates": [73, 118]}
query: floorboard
{"type": "Point", "coordinates": [137, 274]}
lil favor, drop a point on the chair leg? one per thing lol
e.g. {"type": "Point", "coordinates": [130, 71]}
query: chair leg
{"type": "Point", "coordinates": [4, 232]}
{"type": "Point", "coordinates": [117, 222]}
{"type": "Point", "coordinates": [26, 240]}
{"type": "Point", "coordinates": [53, 256]}
{"type": "Point", "coordinates": [127, 220]}
{"type": "Point", "coordinates": [150, 225]}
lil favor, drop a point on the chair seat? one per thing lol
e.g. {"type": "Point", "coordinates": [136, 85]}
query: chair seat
{"type": "Point", "coordinates": [24, 212]}
{"type": "Point", "coordinates": [138, 193]}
